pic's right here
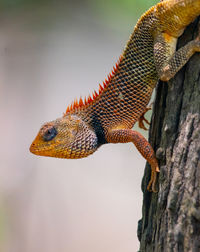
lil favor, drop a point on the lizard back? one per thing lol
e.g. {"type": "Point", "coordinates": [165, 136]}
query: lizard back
{"type": "Point", "coordinates": [130, 87]}
{"type": "Point", "coordinates": [124, 99]}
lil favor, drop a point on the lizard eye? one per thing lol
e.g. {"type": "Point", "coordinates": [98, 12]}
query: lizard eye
{"type": "Point", "coordinates": [50, 134]}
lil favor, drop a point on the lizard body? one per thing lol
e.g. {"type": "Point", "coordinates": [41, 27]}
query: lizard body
{"type": "Point", "coordinates": [108, 116]}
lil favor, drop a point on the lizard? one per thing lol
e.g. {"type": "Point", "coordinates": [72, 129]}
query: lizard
{"type": "Point", "coordinates": [108, 115]}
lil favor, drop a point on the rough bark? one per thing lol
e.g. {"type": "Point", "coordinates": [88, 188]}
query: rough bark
{"type": "Point", "coordinates": [171, 218]}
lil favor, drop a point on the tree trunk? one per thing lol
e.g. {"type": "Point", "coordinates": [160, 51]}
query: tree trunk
{"type": "Point", "coordinates": [171, 218]}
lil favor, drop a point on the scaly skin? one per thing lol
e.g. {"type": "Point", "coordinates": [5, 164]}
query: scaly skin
{"type": "Point", "coordinates": [109, 116]}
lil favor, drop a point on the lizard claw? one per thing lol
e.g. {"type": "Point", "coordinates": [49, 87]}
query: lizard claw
{"type": "Point", "coordinates": [142, 119]}
{"type": "Point", "coordinates": [152, 183]}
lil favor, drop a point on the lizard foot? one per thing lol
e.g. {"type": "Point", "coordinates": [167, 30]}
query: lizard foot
{"type": "Point", "coordinates": [152, 183]}
{"type": "Point", "coordinates": [142, 119]}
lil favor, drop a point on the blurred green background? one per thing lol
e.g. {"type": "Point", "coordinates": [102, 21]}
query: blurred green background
{"type": "Point", "coordinates": [51, 52]}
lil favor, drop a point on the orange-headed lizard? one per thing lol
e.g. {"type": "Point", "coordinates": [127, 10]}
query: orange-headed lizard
{"type": "Point", "coordinates": [109, 115]}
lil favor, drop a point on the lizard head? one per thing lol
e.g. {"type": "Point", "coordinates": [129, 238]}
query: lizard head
{"type": "Point", "coordinates": [66, 137]}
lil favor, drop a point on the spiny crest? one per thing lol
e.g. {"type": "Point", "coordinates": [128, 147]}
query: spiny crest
{"type": "Point", "coordinates": [78, 104]}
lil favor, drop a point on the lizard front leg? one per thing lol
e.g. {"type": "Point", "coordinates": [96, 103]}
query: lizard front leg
{"type": "Point", "coordinates": [144, 147]}
{"type": "Point", "coordinates": [168, 61]}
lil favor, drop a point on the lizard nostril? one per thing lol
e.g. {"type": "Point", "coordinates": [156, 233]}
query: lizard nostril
{"type": "Point", "coordinates": [32, 147]}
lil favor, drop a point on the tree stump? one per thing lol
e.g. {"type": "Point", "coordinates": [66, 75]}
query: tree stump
{"type": "Point", "coordinates": [171, 218]}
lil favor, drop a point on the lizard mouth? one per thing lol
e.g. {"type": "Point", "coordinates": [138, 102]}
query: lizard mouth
{"type": "Point", "coordinates": [34, 149]}
{"type": "Point", "coordinates": [49, 150]}
{"type": "Point", "coordinates": [40, 149]}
